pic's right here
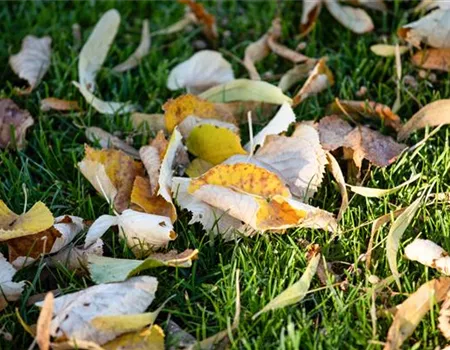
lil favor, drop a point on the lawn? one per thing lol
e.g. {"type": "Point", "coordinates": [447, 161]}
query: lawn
{"type": "Point", "coordinates": [204, 300]}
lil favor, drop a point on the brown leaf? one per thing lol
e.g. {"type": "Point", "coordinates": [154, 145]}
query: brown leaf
{"type": "Point", "coordinates": [437, 59]}
{"type": "Point", "coordinates": [444, 318]}
{"type": "Point", "coordinates": [433, 114]}
{"type": "Point", "coordinates": [43, 322]}
{"type": "Point", "coordinates": [412, 310]}
{"type": "Point", "coordinates": [107, 140]}
{"type": "Point", "coordinates": [254, 53]}
{"type": "Point", "coordinates": [361, 142]}
{"type": "Point", "coordinates": [206, 19]}
{"type": "Point", "coordinates": [143, 200]}
{"type": "Point", "coordinates": [57, 104]}
{"type": "Point", "coordinates": [13, 122]}
{"type": "Point", "coordinates": [33, 60]}
{"type": "Point", "coordinates": [367, 109]}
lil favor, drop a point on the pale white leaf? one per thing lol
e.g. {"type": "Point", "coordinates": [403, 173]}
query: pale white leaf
{"type": "Point", "coordinates": [8, 289]}
{"type": "Point", "coordinates": [96, 174]}
{"type": "Point", "coordinates": [98, 228]}
{"type": "Point", "coordinates": [379, 192]}
{"type": "Point", "coordinates": [429, 254]}
{"type": "Point", "coordinates": [357, 20]}
{"type": "Point", "coordinates": [202, 71]}
{"type": "Point", "coordinates": [96, 48]}
{"type": "Point", "coordinates": [75, 257]}
{"type": "Point", "coordinates": [167, 164]}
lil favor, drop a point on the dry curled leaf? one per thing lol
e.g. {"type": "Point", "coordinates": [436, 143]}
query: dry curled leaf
{"type": "Point", "coordinates": [432, 29]}
{"type": "Point", "coordinates": [141, 51]}
{"type": "Point", "coordinates": [33, 60]}
{"type": "Point", "coordinates": [310, 12]}
{"type": "Point", "coordinates": [205, 69]}
{"type": "Point", "coordinates": [107, 140]}
{"type": "Point", "coordinates": [433, 114]}
{"type": "Point", "coordinates": [436, 59]}
{"type": "Point", "coordinates": [336, 171]}
{"type": "Point", "coordinates": [202, 16]}
{"type": "Point", "coordinates": [53, 103]}
{"type": "Point", "coordinates": [74, 312]}
{"type": "Point", "coordinates": [367, 109]}
{"type": "Point", "coordinates": [412, 310]}
{"type": "Point", "coordinates": [10, 291]}
{"type": "Point", "coordinates": [14, 123]}
{"type": "Point", "coordinates": [112, 174]}
{"type": "Point", "coordinates": [296, 74]}
{"type": "Point", "coordinates": [96, 48]}
{"type": "Point", "coordinates": [381, 192]}
{"type": "Point", "coordinates": [320, 78]}
{"type": "Point", "coordinates": [444, 318]}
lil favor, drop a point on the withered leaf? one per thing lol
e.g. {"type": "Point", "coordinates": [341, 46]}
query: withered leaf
{"type": "Point", "coordinates": [33, 60]}
{"type": "Point", "coordinates": [14, 123]}
{"type": "Point", "coordinates": [437, 59]}
{"type": "Point", "coordinates": [53, 103]}
{"type": "Point", "coordinates": [107, 140]}
{"type": "Point", "coordinates": [202, 16]}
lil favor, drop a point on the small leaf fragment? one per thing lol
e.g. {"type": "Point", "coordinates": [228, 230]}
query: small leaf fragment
{"type": "Point", "coordinates": [384, 50]}
{"type": "Point", "coordinates": [53, 103]}
{"type": "Point", "coordinates": [378, 192]}
{"type": "Point", "coordinates": [14, 123]}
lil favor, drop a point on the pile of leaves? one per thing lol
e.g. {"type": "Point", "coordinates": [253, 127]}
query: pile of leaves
{"type": "Point", "coordinates": [195, 162]}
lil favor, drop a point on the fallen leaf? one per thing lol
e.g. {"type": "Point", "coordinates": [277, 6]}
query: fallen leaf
{"type": "Point", "coordinates": [412, 310]}
{"type": "Point", "coordinates": [74, 312]}
{"type": "Point", "coordinates": [437, 59]}
{"type": "Point", "coordinates": [75, 257]}
{"type": "Point", "coordinates": [150, 338]}
{"type": "Point", "coordinates": [14, 123]}
{"type": "Point", "coordinates": [311, 10]}
{"type": "Point", "coordinates": [205, 69]}
{"type": "Point", "coordinates": [296, 74]}
{"type": "Point", "coordinates": [150, 122]}
{"type": "Point", "coordinates": [107, 140]}
{"type": "Point", "coordinates": [179, 338]}
{"type": "Point", "coordinates": [33, 60]}
{"type": "Point", "coordinates": [202, 16]}
{"type": "Point", "coordinates": [361, 142]}
{"type": "Point", "coordinates": [444, 318]}
{"type": "Point", "coordinates": [198, 167]}
{"type": "Point", "coordinates": [395, 234]}
{"type": "Point", "coordinates": [433, 114]}
{"type": "Point", "coordinates": [10, 291]}
{"type": "Point", "coordinates": [378, 192]}
{"type": "Point", "coordinates": [336, 171]}
{"type": "Point", "coordinates": [357, 20]}
{"type": "Point", "coordinates": [53, 103]}
{"type": "Point", "coordinates": [294, 293]}
{"type": "Point", "coordinates": [188, 19]}
{"type": "Point", "coordinates": [254, 53]}
{"type": "Point", "coordinates": [141, 51]}
{"type": "Point", "coordinates": [95, 50]}
{"type": "Point", "coordinates": [120, 170]}
{"type": "Point", "coordinates": [320, 78]}
{"type": "Point", "coordinates": [43, 322]}
{"type": "Point", "coordinates": [213, 144]}
{"type": "Point", "coordinates": [429, 254]}
{"type": "Point", "coordinates": [37, 219]}
{"type": "Point", "coordinates": [298, 160]}
{"type": "Point", "coordinates": [278, 124]}
{"type": "Point", "coordinates": [48, 241]}
{"type": "Point", "coordinates": [432, 29]}
{"type": "Point", "coordinates": [246, 90]}
{"type": "Point", "coordinates": [106, 270]}
{"type": "Point", "coordinates": [104, 107]}
{"type": "Point", "coordinates": [378, 5]}
{"type": "Point", "coordinates": [367, 109]}
{"type": "Point", "coordinates": [212, 219]}
{"type": "Point", "coordinates": [192, 122]}
{"type": "Point", "coordinates": [177, 110]}
{"type": "Point", "coordinates": [143, 200]}
{"type": "Point", "coordinates": [384, 50]}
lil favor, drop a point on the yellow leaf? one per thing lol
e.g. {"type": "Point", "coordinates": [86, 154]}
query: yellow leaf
{"type": "Point", "coordinates": [150, 338]}
{"type": "Point", "coordinates": [37, 219]}
{"type": "Point", "coordinates": [213, 144]}
{"type": "Point", "coordinates": [178, 109]}
{"type": "Point", "coordinates": [277, 213]}
{"type": "Point", "coordinates": [243, 177]}
{"type": "Point", "coordinates": [120, 168]}
{"type": "Point", "coordinates": [142, 198]}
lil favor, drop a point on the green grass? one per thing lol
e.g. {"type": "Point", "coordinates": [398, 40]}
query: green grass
{"type": "Point", "coordinates": [205, 295]}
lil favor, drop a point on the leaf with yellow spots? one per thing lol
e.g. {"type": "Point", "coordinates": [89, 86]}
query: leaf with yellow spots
{"type": "Point", "coordinates": [178, 109]}
{"type": "Point", "coordinates": [150, 338]}
{"type": "Point", "coordinates": [37, 219]}
{"type": "Point", "coordinates": [120, 170]}
{"type": "Point", "coordinates": [143, 200]}
{"type": "Point", "coordinates": [243, 177]}
{"type": "Point", "coordinates": [213, 144]}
